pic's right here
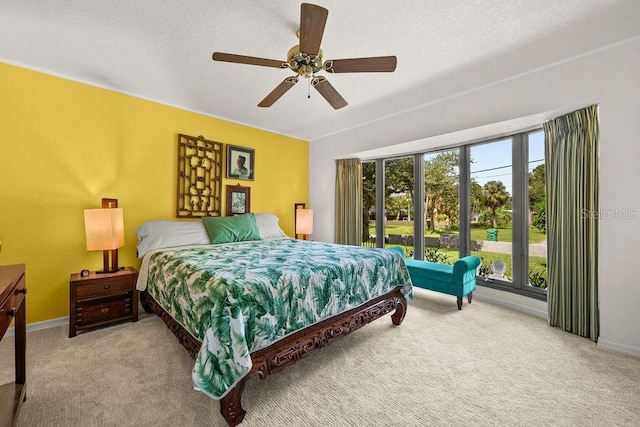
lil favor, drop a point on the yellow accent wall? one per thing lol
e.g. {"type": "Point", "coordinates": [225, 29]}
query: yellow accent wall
{"type": "Point", "coordinates": [65, 145]}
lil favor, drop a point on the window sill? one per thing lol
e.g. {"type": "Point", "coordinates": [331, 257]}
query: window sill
{"type": "Point", "coordinates": [527, 291]}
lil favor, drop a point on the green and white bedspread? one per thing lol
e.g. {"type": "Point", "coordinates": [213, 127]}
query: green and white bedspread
{"type": "Point", "coordinates": [237, 298]}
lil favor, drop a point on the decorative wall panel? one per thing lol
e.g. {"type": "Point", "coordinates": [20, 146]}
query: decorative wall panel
{"type": "Point", "coordinates": [199, 177]}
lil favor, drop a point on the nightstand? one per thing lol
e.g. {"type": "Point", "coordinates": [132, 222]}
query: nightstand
{"type": "Point", "coordinates": [100, 299]}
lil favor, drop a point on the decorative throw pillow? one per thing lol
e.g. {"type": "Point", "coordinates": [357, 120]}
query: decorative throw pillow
{"type": "Point", "coordinates": [166, 234]}
{"type": "Point", "coordinates": [269, 227]}
{"type": "Point", "coordinates": [226, 229]}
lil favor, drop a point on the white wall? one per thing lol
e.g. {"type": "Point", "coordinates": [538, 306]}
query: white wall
{"type": "Point", "coordinates": [609, 77]}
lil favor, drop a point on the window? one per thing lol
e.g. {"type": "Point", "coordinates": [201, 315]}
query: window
{"type": "Point", "coordinates": [485, 199]}
{"type": "Point", "coordinates": [537, 212]}
{"type": "Point", "coordinates": [398, 204]}
{"type": "Point", "coordinates": [491, 208]}
{"type": "Point", "coordinates": [441, 207]}
{"type": "Point", "coordinates": [369, 204]}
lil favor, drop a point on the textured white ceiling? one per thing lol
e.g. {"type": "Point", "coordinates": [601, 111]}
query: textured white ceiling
{"type": "Point", "coordinates": [161, 50]}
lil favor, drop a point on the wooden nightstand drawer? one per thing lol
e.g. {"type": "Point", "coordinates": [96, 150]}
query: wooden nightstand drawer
{"type": "Point", "coordinates": [105, 287]}
{"type": "Point", "coordinates": [104, 310]}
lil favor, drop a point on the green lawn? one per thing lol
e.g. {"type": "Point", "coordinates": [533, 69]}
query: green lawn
{"type": "Point", "coordinates": [477, 233]}
{"type": "Point", "coordinates": [536, 264]}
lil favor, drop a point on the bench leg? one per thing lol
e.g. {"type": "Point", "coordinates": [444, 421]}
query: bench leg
{"type": "Point", "coordinates": [469, 297]}
{"type": "Point", "coordinates": [459, 303]}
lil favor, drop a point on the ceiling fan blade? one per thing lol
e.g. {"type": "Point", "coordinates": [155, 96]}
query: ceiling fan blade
{"type": "Point", "coordinates": [328, 92]}
{"type": "Point", "coordinates": [251, 60]}
{"type": "Point", "coordinates": [312, 21]}
{"type": "Point", "coordinates": [280, 90]}
{"type": "Point", "coordinates": [374, 64]}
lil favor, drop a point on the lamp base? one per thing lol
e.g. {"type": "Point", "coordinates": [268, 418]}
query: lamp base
{"type": "Point", "coordinates": [109, 262]}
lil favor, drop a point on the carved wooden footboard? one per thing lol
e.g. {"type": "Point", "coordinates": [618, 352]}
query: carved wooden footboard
{"type": "Point", "coordinates": [293, 347]}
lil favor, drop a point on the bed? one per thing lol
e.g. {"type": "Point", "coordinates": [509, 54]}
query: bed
{"type": "Point", "coordinates": [246, 300]}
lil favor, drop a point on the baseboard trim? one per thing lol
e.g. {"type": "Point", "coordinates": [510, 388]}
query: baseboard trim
{"type": "Point", "coordinates": [41, 325]}
{"type": "Point", "coordinates": [621, 348]}
{"type": "Point", "coordinates": [510, 304]}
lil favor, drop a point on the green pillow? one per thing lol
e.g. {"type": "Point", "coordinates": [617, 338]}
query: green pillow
{"type": "Point", "coordinates": [225, 229]}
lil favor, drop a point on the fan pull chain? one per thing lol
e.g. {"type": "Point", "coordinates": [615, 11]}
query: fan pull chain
{"type": "Point", "coordinates": [309, 89]}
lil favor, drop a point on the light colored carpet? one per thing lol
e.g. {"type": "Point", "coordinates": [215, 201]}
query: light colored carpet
{"type": "Point", "coordinates": [482, 366]}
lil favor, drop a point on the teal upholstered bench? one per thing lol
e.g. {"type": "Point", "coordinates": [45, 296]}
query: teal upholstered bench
{"type": "Point", "coordinates": [458, 279]}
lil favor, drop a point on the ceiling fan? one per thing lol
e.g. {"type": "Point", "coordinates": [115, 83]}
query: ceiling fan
{"type": "Point", "coordinates": [306, 60]}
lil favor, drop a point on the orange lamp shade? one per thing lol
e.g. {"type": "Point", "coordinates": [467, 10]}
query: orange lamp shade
{"type": "Point", "coordinates": [304, 221]}
{"type": "Point", "coordinates": [104, 229]}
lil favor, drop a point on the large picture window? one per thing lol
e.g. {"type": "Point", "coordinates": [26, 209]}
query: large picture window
{"type": "Point", "coordinates": [485, 199]}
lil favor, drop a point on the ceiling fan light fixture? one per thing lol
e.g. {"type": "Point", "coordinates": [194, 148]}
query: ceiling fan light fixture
{"type": "Point", "coordinates": [303, 64]}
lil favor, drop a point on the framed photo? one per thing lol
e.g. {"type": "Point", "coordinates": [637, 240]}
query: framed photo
{"type": "Point", "coordinates": [240, 163]}
{"type": "Point", "coordinates": [238, 200]}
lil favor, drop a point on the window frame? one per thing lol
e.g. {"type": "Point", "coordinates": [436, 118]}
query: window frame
{"type": "Point", "coordinates": [520, 205]}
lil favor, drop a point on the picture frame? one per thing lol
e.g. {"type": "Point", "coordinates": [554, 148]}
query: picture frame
{"type": "Point", "coordinates": [238, 200]}
{"type": "Point", "coordinates": [240, 163]}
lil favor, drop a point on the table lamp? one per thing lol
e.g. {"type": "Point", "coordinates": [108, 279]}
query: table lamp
{"type": "Point", "coordinates": [304, 222]}
{"type": "Point", "coordinates": [104, 230]}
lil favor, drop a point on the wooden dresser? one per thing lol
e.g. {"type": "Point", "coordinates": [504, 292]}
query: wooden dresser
{"type": "Point", "coordinates": [12, 308]}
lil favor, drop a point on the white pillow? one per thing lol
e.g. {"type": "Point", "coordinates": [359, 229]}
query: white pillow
{"type": "Point", "coordinates": [268, 226]}
{"type": "Point", "coordinates": [166, 234]}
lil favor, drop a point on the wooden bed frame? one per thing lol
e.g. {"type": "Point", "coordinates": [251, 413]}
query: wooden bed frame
{"type": "Point", "coordinates": [291, 348]}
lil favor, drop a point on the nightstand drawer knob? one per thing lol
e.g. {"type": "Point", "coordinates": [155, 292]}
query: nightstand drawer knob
{"type": "Point", "coordinates": [107, 286]}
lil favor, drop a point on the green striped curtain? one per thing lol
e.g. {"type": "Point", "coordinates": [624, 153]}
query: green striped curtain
{"type": "Point", "coordinates": [348, 202]}
{"type": "Point", "coordinates": [571, 171]}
